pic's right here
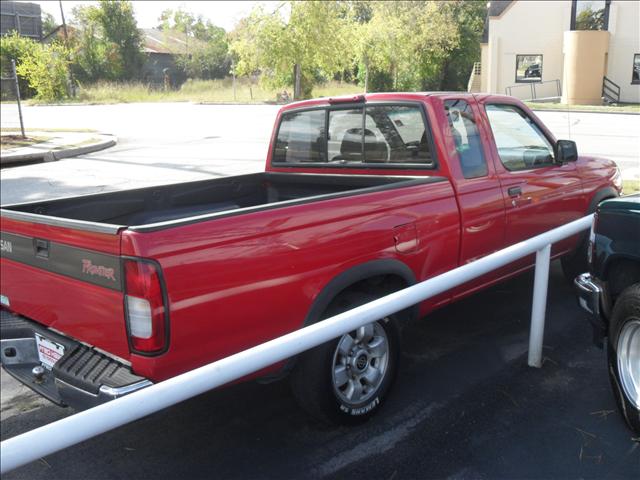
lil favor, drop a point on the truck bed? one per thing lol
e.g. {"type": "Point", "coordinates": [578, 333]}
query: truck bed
{"type": "Point", "coordinates": [158, 207]}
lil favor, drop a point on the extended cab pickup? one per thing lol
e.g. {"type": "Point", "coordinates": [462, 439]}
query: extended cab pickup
{"type": "Point", "coordinates": [104, 294]}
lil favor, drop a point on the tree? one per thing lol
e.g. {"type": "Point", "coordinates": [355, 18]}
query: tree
{"type": "Point", "coordinates": [206, 55]}
{"type": "Point", "coordinates": [48, 23]}
{"type": "Point", "coordinates": [119, 27]}
{"type": "Point", "coordinates": [107, 43]}
{"type": "Point", "coordinates": [94, 56]}
{"type": "Point", "coordinates": [404, 44]}
{"type": "Point", "coordinates": [189, 24]}
{"type": "Point", "coordinates": [316, 37]}
{"type": "Point", "coordinates": [469, 18]}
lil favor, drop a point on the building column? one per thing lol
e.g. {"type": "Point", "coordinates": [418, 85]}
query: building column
{"type": "Point", "coordinates": [585, 65]}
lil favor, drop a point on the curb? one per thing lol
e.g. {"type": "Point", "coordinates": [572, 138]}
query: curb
{"type": "Point", "coordinates": [581, 111]}
{"type": "Point", "coordinates": [239, 103]}
{"type": "Point", "coordinates": [53, 155]}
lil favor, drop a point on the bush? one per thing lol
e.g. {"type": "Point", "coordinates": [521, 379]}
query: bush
{"type": "Point", "coordinates": [45, 68]}
{"type": "Point", "coordinates": [15, 47]}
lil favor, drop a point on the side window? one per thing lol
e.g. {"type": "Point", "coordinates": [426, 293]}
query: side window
{"type": "Point", "coordinates": [462, 125]}
{"type": "Point", "coordinates": [301, 137]}
{"type": "Point", "coordinates": [521, 145]}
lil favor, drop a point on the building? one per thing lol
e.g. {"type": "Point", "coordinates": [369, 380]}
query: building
{"type": "Point", "coordinates": [160, 48]}
{"type": "Point", "coordinates": [579, 52]}
{"type": "Point", "coordinates": [24, 18]}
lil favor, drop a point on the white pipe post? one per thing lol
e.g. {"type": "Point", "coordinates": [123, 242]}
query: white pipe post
{"type": "Point", "coordinates": [540, 284]}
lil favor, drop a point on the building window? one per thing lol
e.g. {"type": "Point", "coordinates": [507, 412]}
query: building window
{"type": "Point", "coordinates": [528, 68]}
{"type": "Point", "coordinates": [635, 76]}
{"type": "Point", "coordinates": [590, 14]}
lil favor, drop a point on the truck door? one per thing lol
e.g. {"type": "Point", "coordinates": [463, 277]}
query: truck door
{"type": "Point", "coordinates": [482, 211]}
{"type": "Point", "coordinates": [539, 194]}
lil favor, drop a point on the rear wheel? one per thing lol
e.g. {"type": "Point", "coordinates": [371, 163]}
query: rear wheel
{"type": "Point", "coordinates": [345, 381]}
{"type": "Point", "coordinates": [624, 355]}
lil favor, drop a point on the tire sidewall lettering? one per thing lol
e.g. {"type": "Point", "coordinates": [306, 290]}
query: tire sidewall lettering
{"type": "Point", "coordinates": [361, 410]}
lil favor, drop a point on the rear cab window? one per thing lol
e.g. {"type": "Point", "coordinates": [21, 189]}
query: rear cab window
{"type": "Point", "coordinates": [355, 136]}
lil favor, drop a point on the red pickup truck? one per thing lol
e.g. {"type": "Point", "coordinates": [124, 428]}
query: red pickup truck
{"type": "Point", "coordinates": [361, 196]}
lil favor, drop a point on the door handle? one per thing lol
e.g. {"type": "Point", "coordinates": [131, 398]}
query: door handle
{"type": "Point", "coordinates": [514, 191]}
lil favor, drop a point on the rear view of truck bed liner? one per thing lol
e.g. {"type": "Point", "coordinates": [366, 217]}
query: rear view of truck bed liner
{"type": "Point", "coordinates": [157, 207]}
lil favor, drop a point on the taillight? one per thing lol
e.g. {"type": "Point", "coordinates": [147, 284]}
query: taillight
{"type": "Point", "coordinates": [145, 307]}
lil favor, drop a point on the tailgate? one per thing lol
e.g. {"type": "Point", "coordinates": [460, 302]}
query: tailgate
{"type": "Point", "coordinates": [66, 279]}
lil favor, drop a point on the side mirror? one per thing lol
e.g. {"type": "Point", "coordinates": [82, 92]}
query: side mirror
{"type": "Point", "coordinates": [566, 151]}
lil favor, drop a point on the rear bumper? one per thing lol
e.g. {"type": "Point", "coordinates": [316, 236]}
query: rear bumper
{"type": "Point", "coordinates": [82, 378]}
{"type": "Point", "coordinates": [590, 294]}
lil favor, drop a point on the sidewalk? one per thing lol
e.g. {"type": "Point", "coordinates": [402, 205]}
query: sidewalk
{"type": "Point", "coordinates": [59, 144]}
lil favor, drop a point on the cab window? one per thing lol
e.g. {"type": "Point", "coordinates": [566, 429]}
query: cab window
{"type": "Point", "coordinates": [463, 129]}
{"type": "Point", "coordinates": [520, 143]}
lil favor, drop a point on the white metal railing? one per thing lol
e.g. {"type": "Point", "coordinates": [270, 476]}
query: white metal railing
{"type": "Point", "coordinates": [61, 434]}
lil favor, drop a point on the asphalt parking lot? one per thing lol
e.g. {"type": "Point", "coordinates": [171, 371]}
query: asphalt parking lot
{"type": "Point", "coordinates": [465, 406]}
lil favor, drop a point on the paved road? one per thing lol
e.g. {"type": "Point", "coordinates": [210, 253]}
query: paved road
{"type": "Point", "coordinates": [172, 142]}
{"type": "Point", "coordinates": [465, 406]}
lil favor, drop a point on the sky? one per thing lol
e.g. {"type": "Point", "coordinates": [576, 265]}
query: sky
{"type": "Point", "coordinates": [225, 14]}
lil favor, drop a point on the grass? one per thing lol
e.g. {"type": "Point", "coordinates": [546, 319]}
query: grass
{"type": "Point", "coordinates": [200, 91]}
{"type": "Point", "coordinates": [629, 187]}
{"type": "Point", "coordinates": [88, 141]}
{"type": "Point", "coordinates": [624, 108]}
{"type": "Point", "coordinates": [17, 141]}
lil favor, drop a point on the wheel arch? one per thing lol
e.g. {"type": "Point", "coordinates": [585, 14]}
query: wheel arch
{"type": "Point", "coordinates": [354, 278]}
{"type": "Point", "coordinates": [385, 270]}
{"type": "Point", "coordinates": [600, 195]}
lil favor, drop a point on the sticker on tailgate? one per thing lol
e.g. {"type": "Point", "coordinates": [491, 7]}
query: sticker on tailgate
{"type": "Point", "coordinates": [49, 352]}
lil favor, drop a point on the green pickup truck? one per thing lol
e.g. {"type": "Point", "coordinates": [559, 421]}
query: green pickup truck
{"type": "Point", "coordinates": [610, 293]}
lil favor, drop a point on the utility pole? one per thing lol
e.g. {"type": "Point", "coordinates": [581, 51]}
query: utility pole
{"type": "Point", "coordinates": [15, 78]}
{"type": "Point", "coordinates": [66, 44]}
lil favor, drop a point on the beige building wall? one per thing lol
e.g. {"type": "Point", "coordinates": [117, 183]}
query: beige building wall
{"type": "Point", "coordinates": [585, 59]}
{"type": "Point", "coordinates": [484, 67]}
{"type": "Point", "coordinates": [624, 26]}
{"type": "Point", "coordinates": [527, 28]}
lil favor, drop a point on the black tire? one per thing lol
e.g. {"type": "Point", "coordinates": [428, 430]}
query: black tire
{"type": "Point", "coordinates": [625, 318]}
{"type": "Point", "coordinates": [312, 379]}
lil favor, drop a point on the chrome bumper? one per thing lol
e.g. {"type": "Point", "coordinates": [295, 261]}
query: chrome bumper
{"type": "Point", "coordinates": [81, 379]}
{"type": "Point", "coordinates": [590, 295]}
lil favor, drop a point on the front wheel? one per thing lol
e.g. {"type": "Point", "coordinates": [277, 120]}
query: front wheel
{"type": "Point", "coordinates": [624, 355]}
{"type": "Point", "coordinates": [345, 381]}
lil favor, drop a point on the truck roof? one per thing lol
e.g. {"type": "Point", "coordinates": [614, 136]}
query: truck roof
{"type": "Point", "coordinates": [366, 97]}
